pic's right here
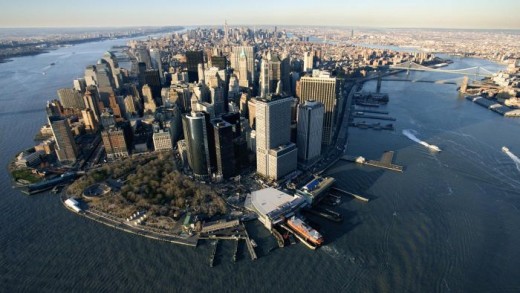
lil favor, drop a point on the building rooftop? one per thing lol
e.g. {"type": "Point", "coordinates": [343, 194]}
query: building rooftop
{"type": "Point", "coordinates": [272, 202]}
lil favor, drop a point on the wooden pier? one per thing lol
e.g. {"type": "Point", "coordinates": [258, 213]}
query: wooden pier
{"type": "Point", "coordinates": [249, 245]}
{"type": "Point", "coordinates": [359, 197]}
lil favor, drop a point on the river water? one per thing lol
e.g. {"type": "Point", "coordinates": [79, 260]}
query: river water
{"type": "Point", "coordinates": [449, 223]}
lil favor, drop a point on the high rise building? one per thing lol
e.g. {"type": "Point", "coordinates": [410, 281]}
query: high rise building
{"type": "Point", "coordinates": [89, 119]}
{"type": "Point", "coordinates": [197, 144]}
{"type": "Point", "coordinates": [276, 156]}
{"type": "Point", "coordinates": [193, 59]}
{"type": "Point", "coordinates": [243, 60]}
{"type": "Point", "coordinates": [155, 57]}
{"type": "Point", "coordinates": [91, 101]}
{"type": "Point", "coordinates": [327, 90]}
{"type": "Point", "coordinates": [308, 61]}
{"type": "Point", "coordinates": [310, 129]}
{"type": "Point", "coordinates": [225, 156]}
{"type": "Point", "coordinates": [66, 148]}
{"type": "Point", "coordinates": [149, 102]}
{"type": "Point", "coordinates": [115, 142]}
{"type": "Point", "coordinates": [71, 98]}
{"type": "Point", "coordinates": [105, 81]}
{"type": "Point", "coordinates": [54, 108]}
{"type": "Point", "coordinates": [219, 61]}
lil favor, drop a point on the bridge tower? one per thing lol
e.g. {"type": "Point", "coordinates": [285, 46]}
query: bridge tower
{"type": "Point", "coordinates": [379, 79]}
{"type": "Point", "coordinates": [464, 85]}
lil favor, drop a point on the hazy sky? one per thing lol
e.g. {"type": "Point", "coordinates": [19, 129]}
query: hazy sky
{"type": "Point", "coordinates": [374, 13]}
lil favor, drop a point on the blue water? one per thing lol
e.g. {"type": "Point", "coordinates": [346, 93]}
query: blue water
{"type": "Point", "coordinates": [449, 223]}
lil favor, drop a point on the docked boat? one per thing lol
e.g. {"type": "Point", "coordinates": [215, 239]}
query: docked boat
{"type": "Point", "coordinates": [505, 149]}
{"type": "Point", "coordinates": [305, 231]}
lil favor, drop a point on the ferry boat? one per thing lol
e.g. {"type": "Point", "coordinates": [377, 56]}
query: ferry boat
{"type": "Point", "coordinates": [505, 149]}
{"type": "Point", "coordinates": [305, 230]}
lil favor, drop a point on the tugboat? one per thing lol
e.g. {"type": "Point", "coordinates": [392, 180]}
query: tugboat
{"type": "Point", "coordinates": [505, 149]}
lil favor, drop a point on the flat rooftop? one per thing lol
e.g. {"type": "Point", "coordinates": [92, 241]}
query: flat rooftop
{"type": "Point", "coordinates": [273, 202]}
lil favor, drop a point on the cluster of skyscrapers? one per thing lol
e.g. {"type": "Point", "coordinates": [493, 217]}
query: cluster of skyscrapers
{"type": "Point", "coordinates": [222, 108]}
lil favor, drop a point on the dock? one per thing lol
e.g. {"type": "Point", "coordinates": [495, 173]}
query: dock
{"type": "Point", "coordinates": [385, 162]}
{"type": "Point", "coordinates": [356, 196]}
{"type": "Point", "coordinates": [325, 213]}
{"type": "Point", "coordinates": [374, 117]}
{"type": "Point", "coordinates": [235, 250]}
{"type": "Point", "coordinates": [249, 245]}
{"type": "Point", "coordinates": [213, 254]}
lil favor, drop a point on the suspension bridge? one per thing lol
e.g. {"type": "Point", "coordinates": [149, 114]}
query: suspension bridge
{"type": "Point", "coordinates": [477, 71]}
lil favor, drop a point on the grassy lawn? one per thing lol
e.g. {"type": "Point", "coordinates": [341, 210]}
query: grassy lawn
{"type": "Point", "coordinates": [26, 174]}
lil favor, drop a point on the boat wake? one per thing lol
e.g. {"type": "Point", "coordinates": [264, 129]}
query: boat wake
{"type": "Point", "coordinates": [513, 157]}
{"type": "Point", "coordinates": [412, 134]}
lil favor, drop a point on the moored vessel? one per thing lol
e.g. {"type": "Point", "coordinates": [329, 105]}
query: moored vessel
{"type": "Point", "coordinates": [305, 231]}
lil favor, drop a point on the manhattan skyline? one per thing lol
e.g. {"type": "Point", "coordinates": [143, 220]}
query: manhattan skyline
{"type": "Point", "coordinates": [396, 14]}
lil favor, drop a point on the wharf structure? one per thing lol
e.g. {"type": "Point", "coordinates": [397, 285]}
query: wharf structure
{"type": "Point", "coordinates": [273, 206]}
{"type": "Point", "coordinates": [316, 189]}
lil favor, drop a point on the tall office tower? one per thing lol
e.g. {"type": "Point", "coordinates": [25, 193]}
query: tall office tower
{"type": "Point", "coordinates": [153, 80]}
{"type": "Point", "coordinates": [244, 99]}
{"type": "Point", "coordinates": [239, 128]}
{"type": "Point", "coordinates": [285, 74]}
{"type": "Point", "coordinates": [226, 32]}
{"type": "Point", "coordinates": [219, 61]}
{"type": "Point", "coordinates": [54, 108]}
{"type": "Point", "coordinates": [293, 78]}
{"type": "Point", "coordinates": [149, 102]}
{"type": "Point", "coordinates": [193, 59]}
{"type": "Point", "coordinates": [180, 95]}
{"type": "Point", "coordinates": [143, 55]}
{"type": "Point", "coordinates": [217, 100]}
{"type": "Point", "coordinates": [175, 122]}
{"type": "Point", "coordinates": [111, 59]}
{"type": "Point", "coordinates": [155, 57]}
{"type": "Point", "coordinates": [141, 70]}
{"type": "Point", "coordinates": [246, 55]}
{"type": "Point", "coordinates": [276, 156]}
{"type": "Point", "coordinates": [200, 72]}
{"type": "Point", "coordinates": [115, 142]}
{"type": "Point", "coordinates": [310, 129]}
{"type": "Point", "coordinates": [66, 148]}
{"type": "Point", "coordinates": [233, 89]}
{"type": "Point", "coordinates": [116, 110]}
{"type": "Point", "coordinates": [71, 98]}
{"type": "Point", "coordinates": [90, 75]}
{"type": "Point", "coordinates": [130, 107]}
{"type": "Point", "coordinates": [251, 108]}
{"type": "Point", "coordinates": [275, 71]}
{"type": "Point", "coordinates": [91, 100]}
{"type": "Point", "coordinates": [196, 137]}
{"type": "Point", "coordinates": [225, 156]}
{"type": "Point", "coordinates": [264, 78]}
{"type": "Point", "coordinates": [213, 77]}
{"type": "Point", "coordinates": [89, 119]}
{"type": "Point", "coordinates": [327, 90]}
{"type": "Point", "coordinates": [162, 140]}
{"type": "Point", "coordinates": [80, 85]}
{"type": "Point", "coordinates": [105, 81]}
{"type": "Point", "coordinates": [308, 61]}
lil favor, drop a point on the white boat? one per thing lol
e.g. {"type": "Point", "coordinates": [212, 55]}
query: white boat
{"type": "Point", "coordinates": [434, 148]}
{"type": "Point", "coordinates": [505, 149]}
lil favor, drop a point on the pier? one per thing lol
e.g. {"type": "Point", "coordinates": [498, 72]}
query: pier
{"type": "Point", "coordinates": [385, 162]}
{"type": "Point", "coordinates": [361, 115]}
{"type": "Point", "coordinates": [356, 196]}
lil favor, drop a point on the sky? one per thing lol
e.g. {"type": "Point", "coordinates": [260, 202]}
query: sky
{"type": "Point", "coordinates": [476, 14]}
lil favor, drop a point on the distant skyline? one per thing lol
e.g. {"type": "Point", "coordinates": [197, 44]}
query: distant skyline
{"type": "Point", "coordinates": [476, 14]}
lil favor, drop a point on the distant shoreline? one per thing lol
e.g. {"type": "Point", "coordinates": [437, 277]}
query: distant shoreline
{"type": "Point", "coordinates": [33, 50]}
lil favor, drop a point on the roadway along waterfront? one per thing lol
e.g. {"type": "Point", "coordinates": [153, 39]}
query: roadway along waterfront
{"type": "Point", "coordinates": [448, 223]}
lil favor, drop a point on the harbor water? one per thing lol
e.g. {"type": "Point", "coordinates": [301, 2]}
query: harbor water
{"type": "Point", "coordinates": [448, 223]}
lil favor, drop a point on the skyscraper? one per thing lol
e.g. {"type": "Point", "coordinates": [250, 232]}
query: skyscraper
{"type": "Point", "coordinates": [66, 148]}
{"type": "Point", "coordinates": [310, 129]}
{"type": "Point", "coordinates": [197, 143]}
{"type": "Point", "coordinates": [327, 90]}
{"type": "Point", "coordinates": [193, 59]}
{"type": "Point", "coordinates": [225, 156]}
{"type": "Point", "coordinates": [149, 102]}
{"type": "Point", "coordinates": [276, 156]}
{"type": "Point", "coordinates": [89, 119]}
{"type": "Point", "coordinates": [308, 61]}
{"type": "Point", "coordinates": [246, 55]}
